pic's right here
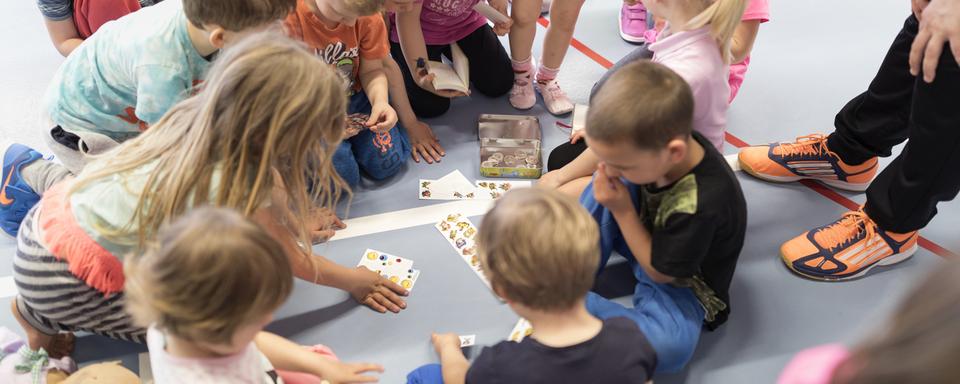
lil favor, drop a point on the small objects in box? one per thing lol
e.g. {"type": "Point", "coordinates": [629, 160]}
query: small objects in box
{"type": "Point", "coordinates": [511, 158]}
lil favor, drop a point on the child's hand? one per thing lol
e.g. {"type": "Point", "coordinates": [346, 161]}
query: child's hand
{"type": "Point", "coordinates": [382, 118]}
{"type": "Point", "coordinates": [611, 192]}
{"type": "Point", "coordinates": [576, 135]}
{"type": "Point", "coordinates": [424, 142]}
{"type": "Point", "coordinates": [323, 224]}
{"type": "Point", "coordinates": [425, 80]}
{"type": "Point", "coordinates": [917, 6]}
{"type": "Point", "coordinates": [445, 342]}
{"type": "Point", "coordinates": [501, 29]}
{"type": "Point", "coordinates": [376, 292]}
{"type": "Point", "coordinates": [342, 373]}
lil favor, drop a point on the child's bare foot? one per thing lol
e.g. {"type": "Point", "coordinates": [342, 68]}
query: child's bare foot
{"type": "Point", "coordinates": [57, 346]}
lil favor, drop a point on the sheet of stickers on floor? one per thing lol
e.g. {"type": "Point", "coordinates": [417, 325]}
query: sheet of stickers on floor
{"type": "Point", "coordinates": [458, 230]}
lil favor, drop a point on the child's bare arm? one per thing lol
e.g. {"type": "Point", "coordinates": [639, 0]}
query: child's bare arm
{"type": "Point", "coordinates": [743, 38]}
{"type": "Point", "coordinates": [415, 48]}
{"type": "Point", "coordinates": [64, 35]}
{"type": "Point", "coordinates": [288, 356]}
{"type": "Point", "coordinates": [424, 144]}
{"type": "Point", "coordinates": [374, 81]}
{"type": "Point", "coordinates": [613, 194]}
{"type": "Point", "coordinates": [453, 364]}
{"type": "Point", "coordinates": [583, 165]}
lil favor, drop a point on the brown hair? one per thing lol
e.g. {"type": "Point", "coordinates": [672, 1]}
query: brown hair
{"type": "Point", "coordinates": [267, 104]}
{"type": "Point", "coordinates": [920, 343]}
{"type": "Point", "coordinates": [644, 103]}
{"type": "Point", "coordinates": [236, 15]}
{"type": "Point", "coordinates": [539, 248]}
{"type": "Point", "coordinates": [209, 273]}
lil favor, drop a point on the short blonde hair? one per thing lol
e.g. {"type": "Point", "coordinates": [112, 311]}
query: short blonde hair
{"type": "Point", "coordinates": [540, 249]}
{"type": "Point", "coordinates": [209, 273]}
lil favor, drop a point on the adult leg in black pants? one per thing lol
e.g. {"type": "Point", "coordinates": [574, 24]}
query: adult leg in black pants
{"type": "Point", "coordinates": [490, 70]}
{"type": "Point", "coordinates": [903, 198]}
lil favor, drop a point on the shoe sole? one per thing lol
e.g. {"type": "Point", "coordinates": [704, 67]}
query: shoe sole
{"type": "Point", "coordinates": [886, 261]}
{"type": "Point", "coordinates": [852, 187]}
{"type": "Point", "coordinates": [629, 38]}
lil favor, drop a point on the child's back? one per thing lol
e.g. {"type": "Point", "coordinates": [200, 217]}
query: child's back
{"type": "Point", "coordinates": [618, 354]}
{"type": "Point", "coordinates": [127, 75]}
{"type": "Point", "coordinates": [539, 250]}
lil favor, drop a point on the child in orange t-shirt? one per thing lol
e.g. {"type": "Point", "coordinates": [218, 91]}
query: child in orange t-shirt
{"type": "Point", "coordinates": [352, 37]}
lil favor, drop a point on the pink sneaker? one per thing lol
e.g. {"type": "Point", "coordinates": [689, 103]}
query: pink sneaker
{"type": "Point", "coordinates": [633, 22]}
{"type": "Point", "coordinates": [554, 98]}
{"type": "Point", "coordinates": [522, 95]}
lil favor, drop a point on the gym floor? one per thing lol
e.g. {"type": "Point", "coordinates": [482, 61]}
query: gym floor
{"type": "Point", "coordinates": [808, 61]}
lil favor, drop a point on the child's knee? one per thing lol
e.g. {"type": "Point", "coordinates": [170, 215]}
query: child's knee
{"type": "Point", "coordinates": [673, 354]}
{"type": "Point", "coordinates": [386, 155]}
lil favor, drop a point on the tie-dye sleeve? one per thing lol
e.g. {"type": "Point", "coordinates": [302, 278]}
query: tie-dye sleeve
{"type": "Point", "coordinates": [158, 89]}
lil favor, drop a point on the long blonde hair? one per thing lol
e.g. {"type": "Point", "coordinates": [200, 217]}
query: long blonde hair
{"type": "Point", "coordinates": [723, 17]}
{"type": "Point", "coordinates": [267, 104]}
{"type": "Point", "coordinates": [209, 273]}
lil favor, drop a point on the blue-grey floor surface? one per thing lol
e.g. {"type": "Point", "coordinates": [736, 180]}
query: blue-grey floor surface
{"type": "Point", "coordinates": [808, 61]}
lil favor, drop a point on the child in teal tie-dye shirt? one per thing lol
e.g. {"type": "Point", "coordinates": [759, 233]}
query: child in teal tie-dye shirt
{"type": "Point", "coordinates": [120, 81]}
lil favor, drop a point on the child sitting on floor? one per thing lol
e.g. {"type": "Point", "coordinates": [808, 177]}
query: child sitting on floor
{"type": "Point", "coordinates": [668, 202]}
{"type": "Point", "coordinates": [539, 250]}
{"type": "Point", "coordinates": [206, 290]}
{"type": "Point", "coordinates": [352, 37]}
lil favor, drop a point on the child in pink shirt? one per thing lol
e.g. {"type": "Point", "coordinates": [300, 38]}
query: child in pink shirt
{"type": "Point", "coordinates": [919, 344]}
{"type": "Point", "coordinates": [698, 48]}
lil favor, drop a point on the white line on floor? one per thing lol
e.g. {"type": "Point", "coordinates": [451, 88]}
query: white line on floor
{"type": "Point", "coordinates": [733, 162]}
{"type": "Point", "coordinates": [383, 222]}
{"type": "Point", "coordinates": [406, 218]}
{"type": "Point", "coordinates": [7, 287]}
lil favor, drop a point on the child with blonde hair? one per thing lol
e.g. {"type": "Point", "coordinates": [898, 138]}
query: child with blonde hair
{"type": "Point", "coordinates": [206, 288]}
{"type": "Point", "coordinates": [120, 82]}
{"type": "Point", "coordinates": [269, 116]}
{"type": "Point", "coordinates": [695, 45]}
{"type": "Point", "coordinates": [539, 250]}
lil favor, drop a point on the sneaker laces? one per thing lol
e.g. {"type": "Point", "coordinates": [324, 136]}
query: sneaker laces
{"type": "Point", "coordinates": [845, 230]}
{"type": "Point", "coordinates": [815, 144]}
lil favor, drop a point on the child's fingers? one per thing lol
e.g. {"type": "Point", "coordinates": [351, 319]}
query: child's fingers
{"type": "Point", "coordinates": [386, 303]}
{"type": "Point", "coordinates": [416, 154]}
{"type": "Point", "coordinates": [367, 367]}
{"type": "Point", "coordinates": [374, 305]}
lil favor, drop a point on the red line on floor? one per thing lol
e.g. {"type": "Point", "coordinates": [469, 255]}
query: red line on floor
{"type": "Point", "coordinates": [737, 142]}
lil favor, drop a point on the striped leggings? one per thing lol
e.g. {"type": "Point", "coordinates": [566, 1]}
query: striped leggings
{"type": "Point", "coordinates": [52, 300]}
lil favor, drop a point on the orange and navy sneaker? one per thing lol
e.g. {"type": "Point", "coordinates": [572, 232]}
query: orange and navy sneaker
{"type": "Point", "coordinates": [16, 197]}
{"type": "Point", "coordinates": [806, 158]}
{"type": "Point", "coordinates": [846, 249]}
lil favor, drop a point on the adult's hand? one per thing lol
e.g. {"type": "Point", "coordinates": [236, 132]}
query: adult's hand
{"type": "Point", "coordinates": [939, 24]}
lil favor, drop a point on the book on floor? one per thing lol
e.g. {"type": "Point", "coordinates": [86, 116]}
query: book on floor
{"type": "Point", "coordinates": [454, 77]}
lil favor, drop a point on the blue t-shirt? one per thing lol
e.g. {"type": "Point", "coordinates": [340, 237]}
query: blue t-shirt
{"type": "Point", "coordinates": [127, 75]}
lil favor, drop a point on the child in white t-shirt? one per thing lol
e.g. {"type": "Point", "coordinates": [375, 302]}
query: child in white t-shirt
{"type": "Point", "coordinates": [206, 289]}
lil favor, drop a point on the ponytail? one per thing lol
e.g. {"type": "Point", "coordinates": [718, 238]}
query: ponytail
{"type": "Point", "coordinates": [723, 17]}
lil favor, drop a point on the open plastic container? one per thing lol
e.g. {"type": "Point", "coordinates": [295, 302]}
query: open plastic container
{"type": "Point", "coordinates": [510, 146]}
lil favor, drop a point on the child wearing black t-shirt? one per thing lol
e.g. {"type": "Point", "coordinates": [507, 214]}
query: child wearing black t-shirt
{"type": "Point", "coordinates": [539, 250]}
{"type": "Point", "coordinates": [668, 202]}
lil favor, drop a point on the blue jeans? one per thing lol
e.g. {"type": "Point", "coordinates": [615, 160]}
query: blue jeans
{"type": "Point", "coordinates": [379, 155]}
{"type": "Point", "coordinates": [670, 317]}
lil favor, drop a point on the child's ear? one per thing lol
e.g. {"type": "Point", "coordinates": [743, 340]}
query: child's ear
{"type": "Point", "coordinates": [217, 36]}
{"type": "Point", "coordinates": [677, 150]}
